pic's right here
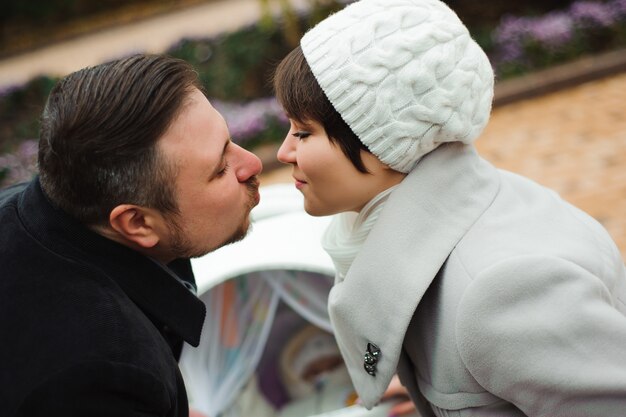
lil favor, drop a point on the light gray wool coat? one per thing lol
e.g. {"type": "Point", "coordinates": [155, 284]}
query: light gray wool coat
{"type": "Point", "coordinates": [489, 295]}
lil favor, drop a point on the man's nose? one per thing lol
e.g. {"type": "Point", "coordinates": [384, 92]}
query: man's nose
{"type": "Point", "coordinates": [248, 165]}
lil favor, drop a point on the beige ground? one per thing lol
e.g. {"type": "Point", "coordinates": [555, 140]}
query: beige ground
{"type": "Point", "coordinates": [573, 141]}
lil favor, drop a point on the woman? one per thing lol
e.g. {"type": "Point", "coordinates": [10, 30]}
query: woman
{"type": "Point", "coordinates": [487, 293]}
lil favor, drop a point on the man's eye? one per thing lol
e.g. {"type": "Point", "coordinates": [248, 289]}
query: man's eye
{"type": "Point", "coordinates": [301, 134]}
{"type": "Point", "coordinates": [223, 170]}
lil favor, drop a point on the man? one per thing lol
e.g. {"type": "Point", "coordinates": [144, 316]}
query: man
{"type": "Point", "coordinates": [137, 174]}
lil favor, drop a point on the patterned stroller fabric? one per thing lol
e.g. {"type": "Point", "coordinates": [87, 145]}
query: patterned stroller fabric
{"type": "Point", "coordinates": [240, 315]}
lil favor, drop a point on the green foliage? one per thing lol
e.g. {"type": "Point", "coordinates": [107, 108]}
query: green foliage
{"type": "Point", "coordinates": [236, 66]}
{"type": "Point", "coordinates": [239, 65]}
{"type": "Point", "coordinates": [20, 110]}
{"type": "Point", "coordinates": [273, 131]}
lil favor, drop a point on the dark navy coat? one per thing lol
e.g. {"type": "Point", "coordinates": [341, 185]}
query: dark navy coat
{"type": "Point", "coordinates": [88, 327]}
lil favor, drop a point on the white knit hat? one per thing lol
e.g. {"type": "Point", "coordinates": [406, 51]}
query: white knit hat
{"type": "Point", "coordinates": [405, 75]}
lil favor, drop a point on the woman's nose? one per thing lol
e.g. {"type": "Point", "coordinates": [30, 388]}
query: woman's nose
{"type": "Point", "coordinates": [287, 151]}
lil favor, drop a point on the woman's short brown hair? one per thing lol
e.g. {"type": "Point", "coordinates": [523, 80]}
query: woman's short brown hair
{"type": "Point", "coordinates": [303, 99]}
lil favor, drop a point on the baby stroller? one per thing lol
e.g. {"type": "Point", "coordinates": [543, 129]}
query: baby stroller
{"type": "Point", "coordinates": [267, 348]}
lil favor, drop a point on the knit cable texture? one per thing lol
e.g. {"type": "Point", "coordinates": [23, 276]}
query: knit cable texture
{"type": "Point", "coordinates": [404, 74]}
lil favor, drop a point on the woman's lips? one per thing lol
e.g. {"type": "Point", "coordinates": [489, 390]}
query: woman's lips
{"type": "Point", "coordinates": [300, 183]}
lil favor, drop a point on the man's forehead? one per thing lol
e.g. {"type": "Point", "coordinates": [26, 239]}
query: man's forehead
{"type": "Point", "coordinates": [198, 134]}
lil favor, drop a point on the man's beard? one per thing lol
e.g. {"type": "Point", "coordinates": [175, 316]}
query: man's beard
{"type": "Point", "coordinates": [181, 247]}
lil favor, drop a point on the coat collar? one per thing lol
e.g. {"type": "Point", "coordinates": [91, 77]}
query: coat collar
{"type": "Point", "coordinates": [424, 218]}
{"type": "Point", "coordinates": [155, 289]}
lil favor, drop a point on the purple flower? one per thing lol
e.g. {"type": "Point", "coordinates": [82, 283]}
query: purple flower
{"type": "Point", "coordinates": [513, 33]}
{"type": "Point", "coordinates": [510, 29]}
{"type": "Point", "coordinates": [618, 7]}
{"type": "Point", "coordinates": [5, 90]}
{"type": "Point", "coordinates": [20, 165]}
{"type": "Point", "coordinates": [554, 30]}
{"type": "Point", "coordinates": [248, 120]}
{"type": "Point", "coordinates": [509, 37]}
{"type": "Point", "coordinates": [592, 14]}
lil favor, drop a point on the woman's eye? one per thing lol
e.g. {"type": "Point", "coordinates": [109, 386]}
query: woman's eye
{"type": "Point", "coordinates": [301, 134]}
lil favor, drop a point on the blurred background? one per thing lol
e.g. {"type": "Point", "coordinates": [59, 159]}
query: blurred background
{"type": "Point", "coordinates": [559, 112]}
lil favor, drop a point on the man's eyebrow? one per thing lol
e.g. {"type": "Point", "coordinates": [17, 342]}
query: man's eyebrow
{"type": "Point", "coordinates": [219, 166]}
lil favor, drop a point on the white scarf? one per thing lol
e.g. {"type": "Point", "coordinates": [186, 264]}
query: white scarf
{"type": "Point", "coordinates": [347, 232]}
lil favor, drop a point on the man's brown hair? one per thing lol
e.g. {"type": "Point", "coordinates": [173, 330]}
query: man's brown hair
{"type": "Point", "coordinates": [99, 134]}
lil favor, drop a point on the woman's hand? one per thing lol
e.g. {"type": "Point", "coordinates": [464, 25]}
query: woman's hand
{"type": "Point", "coordinates": [396, 389]}
{"type": "Point", "coordinates": [194, 413]}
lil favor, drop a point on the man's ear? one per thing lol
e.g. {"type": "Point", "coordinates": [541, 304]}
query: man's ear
{"type": "Point", "coordinates": [136, 224]}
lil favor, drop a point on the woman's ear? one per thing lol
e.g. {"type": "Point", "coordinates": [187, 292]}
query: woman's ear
{"type": "Point", "coordinates": [135, 224]}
